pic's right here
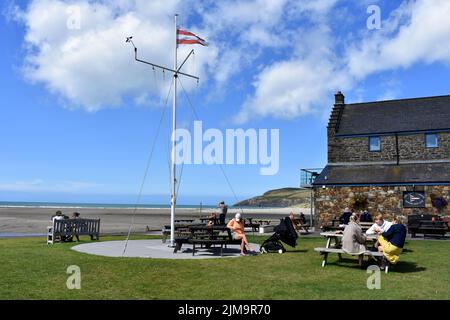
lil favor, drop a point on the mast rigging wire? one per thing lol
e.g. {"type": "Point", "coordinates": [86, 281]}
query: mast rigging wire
{"type": "Point", "coordinates": [146, 170]}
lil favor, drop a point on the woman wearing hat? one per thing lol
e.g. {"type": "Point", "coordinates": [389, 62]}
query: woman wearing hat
{"type": "Point", "coordinates": [237, 228]}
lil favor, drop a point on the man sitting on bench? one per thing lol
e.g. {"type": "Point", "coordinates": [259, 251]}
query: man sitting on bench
{"type": "Point", "coordinates": [392, 241]}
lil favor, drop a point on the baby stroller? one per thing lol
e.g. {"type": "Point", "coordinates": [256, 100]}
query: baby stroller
{"type": "Point", "coordinates": [283, 232]}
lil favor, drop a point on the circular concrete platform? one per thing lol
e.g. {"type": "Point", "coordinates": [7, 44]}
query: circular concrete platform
{"type": "Point", "coordinates": [155, 249]}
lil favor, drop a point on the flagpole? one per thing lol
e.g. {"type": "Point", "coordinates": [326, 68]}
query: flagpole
{"type": "Point", "coordinates": [174, 124]}
{"type": "Point", "coordinates": [176, 72]}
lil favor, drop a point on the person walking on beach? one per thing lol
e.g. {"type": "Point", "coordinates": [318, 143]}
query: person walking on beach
{"type": "Point", "coordinates": [236, 226]}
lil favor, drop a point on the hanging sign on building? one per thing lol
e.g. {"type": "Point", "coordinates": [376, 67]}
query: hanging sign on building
{"type": "Point", "coordinates": [413, 199]}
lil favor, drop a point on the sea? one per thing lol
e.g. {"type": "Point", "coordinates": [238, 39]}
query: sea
{"type": "Point", "coordinates": [14, 204]}
{"type": "Point", "coordinates": [74, 205]}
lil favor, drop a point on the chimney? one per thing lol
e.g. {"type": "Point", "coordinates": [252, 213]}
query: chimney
{"type": "Point", "coordinates": [333, 124]}
{"type": "Point", "coordinates": [339, 98]}
{"type": "Point", "coordinates": [336, 111]}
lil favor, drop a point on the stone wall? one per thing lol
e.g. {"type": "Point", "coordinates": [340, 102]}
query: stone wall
{"type": "Point", "coordinates": [411, 147]}
{"type": "Point", "coordinates": [331, 201]}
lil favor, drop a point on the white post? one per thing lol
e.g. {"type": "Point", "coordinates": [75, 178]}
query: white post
{"type": "Point", "coordinates": [174, 126]}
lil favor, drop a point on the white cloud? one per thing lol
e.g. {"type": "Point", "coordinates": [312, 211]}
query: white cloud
{"type": "Point", "coordinates": [304, 82]}
{"type": "Point", "coordinates": [418, 31]}
{"type": "Point", "coordinates": [92, 67]}
{"type": "Point", "coordinates": [292, 88]}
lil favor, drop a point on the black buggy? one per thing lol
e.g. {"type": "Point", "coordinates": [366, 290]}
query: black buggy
{"type": "Point", "coordinates": [283, 232]}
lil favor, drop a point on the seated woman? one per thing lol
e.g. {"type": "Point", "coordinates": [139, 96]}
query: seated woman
{"type": "Point", "coordinates": [236, 226]}
{"type": "Point", "coordinates": [212, 218]}
{"type": "Point", "coordinates": [392, 241]}
{"type": "Point", "coordinates": [353, 240]}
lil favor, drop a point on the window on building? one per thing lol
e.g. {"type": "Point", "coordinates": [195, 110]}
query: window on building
{"type": "Point", "coordinates": [374, 144]}
{"type": "Point", "coordinates": [431, 140]}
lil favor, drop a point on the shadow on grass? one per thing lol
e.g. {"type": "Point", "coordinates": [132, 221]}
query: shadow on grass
{"type": "Point", "coordinates": [406, 267]}
{"type": "Point", "coordinates": [296, 251]}
{"type": "Point", "coordinates": [400, 267]}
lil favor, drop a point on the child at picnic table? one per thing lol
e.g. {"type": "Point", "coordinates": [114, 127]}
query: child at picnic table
{"type": "Point", "coordinates": [212, 218]}
{"type": "Point", "coordinates": [392, 240]}
{"type": "Point", "coordinates": [236, 226]}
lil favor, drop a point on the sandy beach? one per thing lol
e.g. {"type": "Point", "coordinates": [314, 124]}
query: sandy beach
{"type": "Point", "coordinates": [28, 220]}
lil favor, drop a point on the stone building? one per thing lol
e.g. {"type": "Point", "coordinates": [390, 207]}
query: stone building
{"type": "Point", "coordinates": [390, 157]}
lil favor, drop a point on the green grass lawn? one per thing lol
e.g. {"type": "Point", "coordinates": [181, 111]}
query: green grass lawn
{"type": "Point", "coordinates": [29, 269]}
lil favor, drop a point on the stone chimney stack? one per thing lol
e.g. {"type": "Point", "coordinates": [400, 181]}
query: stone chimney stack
{"type": "Point", "coordinates": [339, 98]}
{"type": "Point", "coordinates": [333, 123]}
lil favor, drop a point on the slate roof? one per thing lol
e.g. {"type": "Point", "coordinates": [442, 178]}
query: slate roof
{"type": "Point", "coordinates": [385, 174]}
{"type": "Point", "coordinates": [417, 114]}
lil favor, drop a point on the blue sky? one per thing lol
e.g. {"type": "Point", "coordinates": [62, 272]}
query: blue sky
{"type": "Point", "coordinates": [79, 115]}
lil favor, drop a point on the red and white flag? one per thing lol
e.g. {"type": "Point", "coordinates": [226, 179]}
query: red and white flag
{"type": "Point", "coordinates": [189, 38]}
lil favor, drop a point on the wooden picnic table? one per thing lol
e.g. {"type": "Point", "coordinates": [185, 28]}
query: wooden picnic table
{"type": "Point", "coordinates": [261, 221]}
{"type": "Point", "coordinates": [336, 236]}
{"type": "Point", "coordinates": [207, 219]}
{"type": "Point", "coordinates": [208, 236]}
{"type": "Point", "coordinates": [365, 225]}
{"type": "Point", "coordinates": [184, 220]}
{"type": "Point", "coordinates": [300, 225]}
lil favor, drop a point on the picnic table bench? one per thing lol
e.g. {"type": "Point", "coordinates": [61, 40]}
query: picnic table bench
{"type": "Point", "coordinates": [427, 224]}
{"type": "Point", "coordinates": [336, 248]}
{"type": "Point", "coordinates": [181, 230]}
{"type": "Point", "coordinates": [300, 225]}
{"type": "Point", "coordinates": [262, 222]}
{"type": "Point", "coordinates": [252, 225]}
{"type": "Point", "coordinates": [184, 220]}
{"type": "Point", "coordinates": [326, 251]}
{"type": "Point", "coordinates": [206, 236]}
{"type": "Point", "coordinates": [365, 225]}
{"type": "Point", "coordinates": [69, 228]}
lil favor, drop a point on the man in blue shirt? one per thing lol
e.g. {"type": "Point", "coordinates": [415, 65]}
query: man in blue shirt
{"type": "Point", "coordinates": [365, 217]}
{"type": "Point", "coordinates": [345, 217]}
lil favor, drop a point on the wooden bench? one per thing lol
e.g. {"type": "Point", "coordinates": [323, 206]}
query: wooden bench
{"type": "Point", "coordinates": [326, 251]}
{"type": "Point", "coordinates": [365, 225]}
{"type": "Point", "coordinates": [262, 222]}
{"type": "Point", "coordinates": [426, 224]}
{"type": "Point", "coordinates": [251, 225]}
{"type": "Point", "coordinates": [300, 225]}
{"type": "Point", "coordinates": [65, 228]}
{"type": "Point", "coordinates": [206, 236]}
{"type": "Point", "coordinates": [181, 230]}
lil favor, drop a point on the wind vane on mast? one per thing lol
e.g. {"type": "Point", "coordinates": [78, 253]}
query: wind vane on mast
{"type": "Point", "coordinates": [176, 71]}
